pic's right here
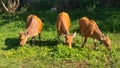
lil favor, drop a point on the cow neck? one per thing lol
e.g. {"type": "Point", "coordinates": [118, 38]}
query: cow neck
{"type": "Point", "coordinates": [66, 31]}
{"type": "Point", "coordinates": [31, 31]}
{"type": "Point", "coordinates": [32, 28]}
{"type": "Point", "coordinates": [99, 33]}
{"type": "Point", "coordinates": [100, 37]}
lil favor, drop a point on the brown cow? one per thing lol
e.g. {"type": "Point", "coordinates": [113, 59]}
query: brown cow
{"type": "Point", "coordinates": [90, 29]}
{"type": "Point", "coordinates": [63, 25]}
{"type": "Point", "coordinates": [33, 28]}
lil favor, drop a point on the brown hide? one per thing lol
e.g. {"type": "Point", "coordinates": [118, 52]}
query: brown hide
{"type": "Point", "coordinates": [34, 25]}
{"type": "Point", "coordinates": [33, 28]}
{"type": "Point", "coordinates": [63, 25]}
{"type": "Point", "coordinates": [89, 28]}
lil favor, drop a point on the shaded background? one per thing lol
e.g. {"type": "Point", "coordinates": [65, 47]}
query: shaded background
{"type": "Point", "coordinates": [105, 12]}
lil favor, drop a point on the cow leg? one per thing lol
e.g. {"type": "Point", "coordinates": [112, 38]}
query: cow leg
{"type": "Point", "coordinates": [58, 37]}
{"type": "Point", "coordinates": [95, 47]}
{"type": "Point", "coordinates": [39, 37]}
{"type": "Point", "coordinates": [33, 39]}
{"type": "Point", "coordinates": [65, 38]}
{"type": "Point", "coordinates": [84, 39]}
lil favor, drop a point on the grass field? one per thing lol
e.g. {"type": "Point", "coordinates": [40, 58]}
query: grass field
{"type": "Point", "coordinates": [50, 54]}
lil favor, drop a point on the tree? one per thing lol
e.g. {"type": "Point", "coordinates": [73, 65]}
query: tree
{"type": "Point", "coordinates": [10, 5]}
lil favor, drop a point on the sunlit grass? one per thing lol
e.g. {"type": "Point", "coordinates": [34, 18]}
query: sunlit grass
{"type": "Point", "coordinates": [49, 53]}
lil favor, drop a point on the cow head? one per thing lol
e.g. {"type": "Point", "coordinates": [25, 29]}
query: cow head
{"type": "Point", "coordinates": [107, 42]}
{"type": "Point", "coordinates": [69, 39]}
{"type": "Point", "coordinates": [23, 37]}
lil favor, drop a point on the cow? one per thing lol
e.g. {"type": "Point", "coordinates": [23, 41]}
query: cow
{"type": "Point", "coordinates": [89, 28]}
{"type": "Point", "coordinates": [33, 28]}
{"type": "Point", "coordinates": [63, 25]}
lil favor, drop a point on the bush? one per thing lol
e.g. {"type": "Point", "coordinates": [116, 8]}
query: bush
{"type": "Point", "coordinates": [38, 4]}
{"type": "Point", "coordinates": [69, 4]}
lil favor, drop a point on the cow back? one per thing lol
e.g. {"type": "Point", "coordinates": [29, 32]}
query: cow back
{"type": "Point", "coordinates": [34, 22]}
{"type": "Point", "coordinates": [86, 26]}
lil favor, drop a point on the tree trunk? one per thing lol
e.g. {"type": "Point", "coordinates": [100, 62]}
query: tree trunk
{"type": "Point", "coordinates": [12, 5]}
{"type": "Point", "coordinates": [4, 6]}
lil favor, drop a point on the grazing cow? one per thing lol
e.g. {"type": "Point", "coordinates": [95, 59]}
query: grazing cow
{"type": "Point", "coordinates": [33, 28]}
{"type": "Point", "coordinates": [63, 25]}
{"type": "Point", "coordinates": [89, 28]}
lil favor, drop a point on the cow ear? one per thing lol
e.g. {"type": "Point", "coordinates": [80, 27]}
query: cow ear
{"type": "Point", "coordinates": [74, 35]}
{"type": "Point", "coordinates": [20, 33]}
{"type": "Point", "coordinates": [26, 33]}
{"type": "Point", "coordinates": [65, 36]}
{"type": "Point", "coordinates": [106, 36]}
{"type": "Point", "coordinates": [102, 38]}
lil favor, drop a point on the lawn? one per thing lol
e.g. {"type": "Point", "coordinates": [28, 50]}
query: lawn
{"type": "Point", "coordinates": [50, 54]}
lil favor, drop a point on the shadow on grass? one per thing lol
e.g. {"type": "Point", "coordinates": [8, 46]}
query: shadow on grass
{"type": "Point", "coordinates": [74, 46]}
{"type": "Point", "coordinates": [11, 43]}
{"type": "Point", "coordinates": [49, 43]}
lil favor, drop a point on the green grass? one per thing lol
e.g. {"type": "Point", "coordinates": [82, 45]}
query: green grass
{"type": "Point", "coordinates": [50, 54]}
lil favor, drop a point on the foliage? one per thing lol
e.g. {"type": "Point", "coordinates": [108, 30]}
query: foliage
{"type": "Point", "coordinates": [38, 4]}
{"type": "Point", "coordinates": [50, 54]}
{"type": "Point", "coordinates": [70, 4]}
